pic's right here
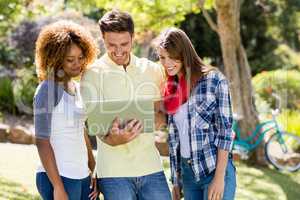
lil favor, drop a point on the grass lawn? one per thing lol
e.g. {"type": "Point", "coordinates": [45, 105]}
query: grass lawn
{"type": "Point", "coordinates": [266, 184]}
{"type": "Point", "coordinates": [18, 164]}
{"type": "Point", "coordinates": [14, 191]}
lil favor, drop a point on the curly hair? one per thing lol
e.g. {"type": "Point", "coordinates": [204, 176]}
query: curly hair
{"type": "Point", "coordinates": [53, 43]}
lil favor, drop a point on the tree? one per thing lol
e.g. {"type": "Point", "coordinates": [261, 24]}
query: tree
{"type": "Point", "coordinates": [236, 65]}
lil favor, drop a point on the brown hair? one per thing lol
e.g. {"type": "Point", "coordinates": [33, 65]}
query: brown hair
{"type": "Point", "coordinates": [53, 43]}
{"type": "Point", "coordinates": [179, 47]}
{"type": "Point", "coordinates": [116, 21]}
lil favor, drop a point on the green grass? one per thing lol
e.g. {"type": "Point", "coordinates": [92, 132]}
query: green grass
{"type": "Point", "coordinates": [266, 184]}
{"type": "Point", "coordinates": [14, 191]}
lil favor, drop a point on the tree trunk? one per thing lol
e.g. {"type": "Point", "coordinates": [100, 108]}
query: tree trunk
{"type": "Point", "coordinates": [237, 68]}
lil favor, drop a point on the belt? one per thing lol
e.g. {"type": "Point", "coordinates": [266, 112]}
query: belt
{"type": "Point", "coordinates": [230, 156]}
{"type": "Point", "coordinates": [189, 160]}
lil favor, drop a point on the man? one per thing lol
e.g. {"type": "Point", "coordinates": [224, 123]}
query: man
{"type": "Point", "coordinates": [128, 163]}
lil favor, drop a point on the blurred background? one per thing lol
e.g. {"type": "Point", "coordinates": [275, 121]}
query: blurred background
{"type": "Point", "coordinates": [256, 43]}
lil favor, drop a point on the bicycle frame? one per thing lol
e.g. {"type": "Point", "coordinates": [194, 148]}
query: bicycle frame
{"type": "Point", "coordinates": [271, 125]}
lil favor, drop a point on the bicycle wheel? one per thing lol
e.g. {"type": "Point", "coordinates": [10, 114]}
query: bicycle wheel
{"type": "Point", "coordinates": [283, 151]}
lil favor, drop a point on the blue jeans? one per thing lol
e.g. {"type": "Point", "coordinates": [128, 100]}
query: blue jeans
{"type": "Point", "coordinates": [77, 189]}
{"type": "Point", "coordinates": [149, 187]}
{"type": "Point", "coordinates": [199, 190]}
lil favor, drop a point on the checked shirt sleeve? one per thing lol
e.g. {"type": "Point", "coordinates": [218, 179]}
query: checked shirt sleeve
{"type": "Point", "coordinates": [225, 136]}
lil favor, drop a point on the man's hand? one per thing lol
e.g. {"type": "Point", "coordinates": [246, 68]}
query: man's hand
{"type": "Point", "coordinates": [118, 135]}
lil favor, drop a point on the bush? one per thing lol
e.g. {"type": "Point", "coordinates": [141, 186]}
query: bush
{"type": "Point", "coordinates": [290, 121]}
{"type": "Point", "coordinates": [25, 34]}
{"type": "Point", "coordinates": [284, 83]}
{"type": "Point", "coordinates": [8, 56]}
{"type": "Point", "coordinates": [24, 89]}
{"type": "Point", "coordinates": [23, 40]}
{"type": "Point", "coordinates": [7, 101]}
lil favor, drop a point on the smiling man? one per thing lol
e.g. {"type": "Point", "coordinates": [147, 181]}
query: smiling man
{"type": "Point", "coordinates": [128, 163]}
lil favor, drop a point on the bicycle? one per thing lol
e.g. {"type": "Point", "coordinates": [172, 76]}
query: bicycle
{"type": "Point", "coordinates": [282, 149]}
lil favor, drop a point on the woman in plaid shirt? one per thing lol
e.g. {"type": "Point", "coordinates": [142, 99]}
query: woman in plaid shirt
{"type": "Point", "coordinates": [197, 100]}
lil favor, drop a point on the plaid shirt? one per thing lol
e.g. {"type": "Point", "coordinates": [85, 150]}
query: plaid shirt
{"type": "Point", "coordinates": [210, 126]}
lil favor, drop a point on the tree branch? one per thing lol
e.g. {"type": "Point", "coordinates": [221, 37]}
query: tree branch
{"type": "Point", "coordinates": [209, 20]}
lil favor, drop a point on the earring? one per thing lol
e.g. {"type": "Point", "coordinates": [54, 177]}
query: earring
{"type": "Point", "coordinates": [60, 73]}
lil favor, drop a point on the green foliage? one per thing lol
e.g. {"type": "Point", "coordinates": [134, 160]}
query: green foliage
{"type": "Point", "coordinates": [203, 37]}
{"type": "Point", "coordinates": [283, 21]}
{"type": "Point", "coordinates": [262, 106]}
{"type": "Point", "coordinates": [261, 41]}
{"type": "Point", "coordinates": [260, 46]}
{"type": "Point", "coordinates": [13, 11]}
{"type": "Point", "coordinates": [24, 89]}
{"type": "Point", "coordinates": [10, 11]}
{"type": "Point", "coordinates": [22, 41]}
{"type": "Point", "coordinates": [94, 13]}
{"type": "Point", "coordinates": [289, 119]}
{"type": "Point", "coordinates": [23, 38]}
{"type": "Point", "coordinates": [151, 15]}
{"type": "Point", "coordinates": [289, 57]}
{"type": "Point", "coordinates": [8, 55]}
{"type": "Point", "coordinates": [7, 101]}
{"type": "Point", "coordinates": [282, 82]}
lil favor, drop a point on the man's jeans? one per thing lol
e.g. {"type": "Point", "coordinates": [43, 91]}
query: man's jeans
{"type": "Point", "coordinates": [77, 189]}
{"type": "Point", "coordinates": [199, 190]}
{"type": "Point", "coordinates": [149, 187]}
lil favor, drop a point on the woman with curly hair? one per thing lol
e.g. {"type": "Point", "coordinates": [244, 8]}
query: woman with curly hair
{"type": "Point", "coordinates": [63, 51]}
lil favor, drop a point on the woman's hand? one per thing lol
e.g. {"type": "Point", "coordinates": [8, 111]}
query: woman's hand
{"type": "Point", "coordinates": [94, 189]}
{"type": "Point", "coordinates": [176, 193]}
{"type": "Point", "coordinates": [59, 193]}
{"type": "Point", "coordinates": [216, 188]}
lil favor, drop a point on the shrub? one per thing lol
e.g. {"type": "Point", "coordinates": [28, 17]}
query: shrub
{"type": "Point", "coordinates": [23, 40]}
{"type": "Point", "coordinates": [24, 89]}
{"type": "Point", "coordinates": [284, 83]}
{"type": "Point", "coordinates": [290, 121]}
{"type": "Point", "coordinates": [7, 101]}
{"type": "Point", "coordinates": [24, 36]}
